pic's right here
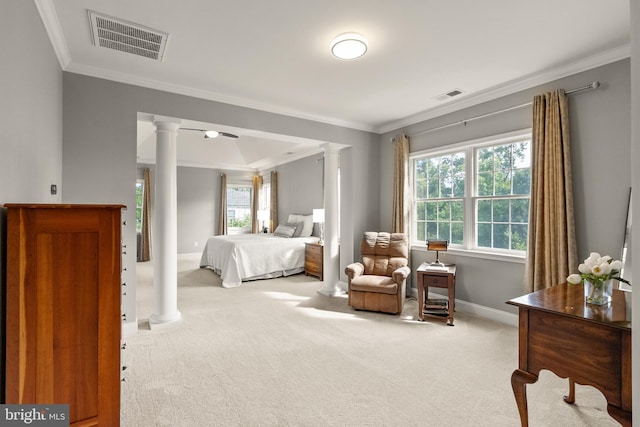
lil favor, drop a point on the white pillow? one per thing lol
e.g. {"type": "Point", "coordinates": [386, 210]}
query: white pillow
{"type": "Point", "coordinates": [284, 231]}
{"type": "Point", "coordinates": [307, 228]}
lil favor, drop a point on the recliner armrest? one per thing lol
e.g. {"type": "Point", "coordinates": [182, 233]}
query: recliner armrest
{"type": "Point", "coordinates": [401, 274]}
{"type": "Point", "coordinates": [354, 270]}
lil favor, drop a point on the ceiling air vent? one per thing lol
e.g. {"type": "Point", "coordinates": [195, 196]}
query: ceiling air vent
{"type": "Point", "coordinates": [124, 36]}
{"type": "Point", "coordinates": [448, 95]}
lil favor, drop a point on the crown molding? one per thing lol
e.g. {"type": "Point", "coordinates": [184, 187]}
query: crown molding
{"type": "Point", "coordinates": [223, 166]}
{"type": "Point", "coordinates": [261, 165]}
{"type": "Point", "coordinates": [209, 95]}
{"type": "Point", "coordinates": [514, 86]}
{"type": "Point", "coordinates": [480, 97]}
{"type": "Point", "coordinates": [52, 25]}
{"type": "Point", "coordinates": [252, 168]}
{"type": "Point", "coordinates": [49, 17]}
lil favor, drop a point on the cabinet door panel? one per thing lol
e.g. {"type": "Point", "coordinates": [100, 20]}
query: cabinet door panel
{"type": "Point", "coordinates": [63, 310]}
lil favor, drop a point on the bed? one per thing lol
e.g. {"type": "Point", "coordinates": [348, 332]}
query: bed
{"type": "Point", "coordinates": [244, 257]}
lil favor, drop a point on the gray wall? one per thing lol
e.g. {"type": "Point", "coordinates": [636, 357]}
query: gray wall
{"type": "Point", "coordinates": [31, 122]}
{"type": "Point", "coordinates": [300, 187]}
{"type": "Point", "coordinates": [30, 107]}
{"type": "Point", "coordinates": [99, 156]}
{"type": "Point", "coordinates": [600, 134]}
{"type": "Point", "coordinates": [198, 192]}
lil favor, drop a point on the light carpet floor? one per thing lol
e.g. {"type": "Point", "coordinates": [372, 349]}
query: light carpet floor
{"type": "Point", "coordinates": [276, 353]}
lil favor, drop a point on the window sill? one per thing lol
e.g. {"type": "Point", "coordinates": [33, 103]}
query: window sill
{"type": "Point", "coordinates": [518, 259]}
{"type": "Point", "coordinates": [237, 230]}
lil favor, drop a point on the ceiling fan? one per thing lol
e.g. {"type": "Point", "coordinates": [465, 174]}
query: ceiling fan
{"type": "Point", "coordinates": [212, 133]}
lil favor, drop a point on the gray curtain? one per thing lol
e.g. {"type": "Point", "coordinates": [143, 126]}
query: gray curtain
{"type": "Point", "coordinates": [222, 215]}
{"type": "Point", "coordinates": [145, 253]}
{"type": "Point", "coordinates": [273, 209]}
{"type": "Point", "coordinates": [552, 249]}
{"type": "Point", "coordinates": [255, 203]}
{"type": "Point", "coordinates": [401, 193]}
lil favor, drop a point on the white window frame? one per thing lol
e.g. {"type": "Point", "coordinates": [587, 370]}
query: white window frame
{"type": "Point", "coordinates": [240, 230]}
{"type": "Point", "coordinates": [265, 196]}
{"type": "Point", "coordinates": [469, 248]}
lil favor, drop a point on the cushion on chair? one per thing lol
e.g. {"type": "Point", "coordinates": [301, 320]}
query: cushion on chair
{"type": "Point", "coordinates": [383, 253]}
{"type": "Point", "coordinates": [379, 284]}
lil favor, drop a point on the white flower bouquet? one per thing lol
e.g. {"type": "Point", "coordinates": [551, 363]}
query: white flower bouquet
{"type": "Point", "coordinates": [596, 269]}
{"type": "Point", "coordinates": [597, 273]}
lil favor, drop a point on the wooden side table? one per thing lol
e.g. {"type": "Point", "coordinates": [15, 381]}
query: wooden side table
{"type": "Point", "coordinates": [313, 254]}
{"type": "Point", "coordinates": [436, 278]}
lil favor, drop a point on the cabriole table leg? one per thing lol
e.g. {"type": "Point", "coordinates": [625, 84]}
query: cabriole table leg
{"type": "Point", "coordinates": [519, 381]}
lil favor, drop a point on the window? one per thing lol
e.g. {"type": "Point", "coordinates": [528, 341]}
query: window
{"type": "Point", "coordinates": [475, 195]}
{"type": "Point", "coordinates": [439, 197]}
{"type": "Point", "coordinates": [503, 180]}
{"type": "Point", "coordinates": [139, 204]}
{"type": "Point", "coordinates": [265, 196]}
{"type": "Point", "coordinates": [239, 208]}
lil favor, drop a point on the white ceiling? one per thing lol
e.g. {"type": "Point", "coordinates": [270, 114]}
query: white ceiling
{"type": "Point", "coordinates": [274, 55]}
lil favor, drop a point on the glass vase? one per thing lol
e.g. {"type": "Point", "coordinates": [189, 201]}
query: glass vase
{"type": "Point", "coordinates": [598, 292]}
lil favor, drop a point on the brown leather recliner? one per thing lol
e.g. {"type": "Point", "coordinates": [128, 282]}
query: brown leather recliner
{"type": "Point", "coordinates": [378, 283]}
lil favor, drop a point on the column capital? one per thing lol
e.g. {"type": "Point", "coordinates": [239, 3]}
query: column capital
{"type": "Point", "coordinates": [166, 123]}
{"type": "Point", "coordinates": [330, 148]}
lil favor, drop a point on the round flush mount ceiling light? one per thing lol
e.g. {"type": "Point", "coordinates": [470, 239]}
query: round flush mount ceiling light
{"type": "Point", "coordinates": [349, 46]}
{"type": "Point", "coordinates": [211, 134]}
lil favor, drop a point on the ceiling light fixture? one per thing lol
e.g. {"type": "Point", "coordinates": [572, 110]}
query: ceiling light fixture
{"type": "Point", "coordinates": [349, 46]}
{"type": "Point", "coordinates": [212, 133]}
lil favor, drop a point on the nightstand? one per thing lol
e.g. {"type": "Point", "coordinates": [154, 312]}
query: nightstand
{"type": "Point", "coordinates": [313, 253]}
{"type": "Point", "coordinates": [436, 278]}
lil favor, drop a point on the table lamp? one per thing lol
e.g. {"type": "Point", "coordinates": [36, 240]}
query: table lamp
{"type": "Point", "coordinates": [263, 216]}
{"type": "Point", "coordinates": [437, 245]}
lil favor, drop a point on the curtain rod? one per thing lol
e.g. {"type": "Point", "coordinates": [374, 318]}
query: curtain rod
{"type": "Point", "coordinates": [591, 86]}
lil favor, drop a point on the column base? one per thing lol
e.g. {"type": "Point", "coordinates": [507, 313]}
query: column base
{"type": "Point", "coordinates": [331, 290]}
{"type": "Point", "coordinates": [157, 321]}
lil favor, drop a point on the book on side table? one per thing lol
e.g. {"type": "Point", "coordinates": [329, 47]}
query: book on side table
{"type": "Point", "coordinates": [436, 306]}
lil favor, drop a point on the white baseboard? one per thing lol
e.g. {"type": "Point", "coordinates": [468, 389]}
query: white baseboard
{"type": "Point", "coordinates": [510, 319]}
{"type": "Point", "coordinates": [478, 310]}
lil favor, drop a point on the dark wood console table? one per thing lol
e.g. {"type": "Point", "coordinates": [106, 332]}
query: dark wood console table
{"type": "Point", "coordinates": [590, 345]}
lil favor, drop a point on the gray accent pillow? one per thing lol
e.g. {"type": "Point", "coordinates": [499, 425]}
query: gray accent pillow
{"type": "Point", "coordinates": [307, 220]}
{"type": "Point", "coordinates": [284, 231]}
{"type": "Point", "coordinates": [298, 226]}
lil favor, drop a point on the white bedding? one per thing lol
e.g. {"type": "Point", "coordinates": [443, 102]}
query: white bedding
{"type": "Point", "coordinates": [243, 257]}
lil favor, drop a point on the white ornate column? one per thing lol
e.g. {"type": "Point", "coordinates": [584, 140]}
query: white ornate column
{"type": "Point", "coordinates": [165, 222]}
{"type": "Point", "coordinates": [331, 268]}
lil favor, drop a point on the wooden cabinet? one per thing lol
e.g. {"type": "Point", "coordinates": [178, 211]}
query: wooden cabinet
{"type": "Point", "coordinates": [63, 309]}
{"type": "Point", "coordinates": [313, 254]}
{"type": "Point", "coordinates": [590, 345]}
